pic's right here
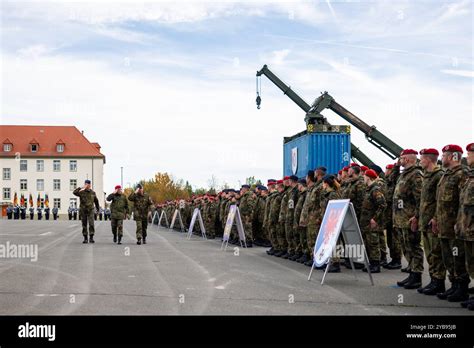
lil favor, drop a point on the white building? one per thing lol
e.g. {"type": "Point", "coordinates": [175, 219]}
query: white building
{"type": "Point", "coordinates": [48, 160]}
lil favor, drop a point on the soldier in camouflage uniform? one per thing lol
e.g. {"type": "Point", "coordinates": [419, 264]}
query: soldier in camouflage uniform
{"type": "Point", "coordinates": [211, 215]}
{"type": "Point", "coordinates": [394, 240]}
{"type": "Point", "coordinates": [267, 228]}
{"type": "Point", "coordinates": [432, 246]}
{"type": "Point", "coordinates": [353, 188]}
{"type": "Point", "coordinates": [119, 211]}
{"type": "Point", "coordinates": [259, 216]}
{"type": "Point", "coordinates": [141, 206]}
{"type": "Point", "coordinates": [88, 199]}
{"type": "Point", "coordinates": [330, 191]}
{"type": "Point", "coordinates": [246, 208]}
{"type": "Point", "coordinates": [275, 227]}
{"type": "Point", "coordinates": [288, 217]}
{"type": "Point", "coordinates": [300, 232]}
{"type": "Point", "coordinates": [382, 239]}
{"type": "Point", "coordinates": [465, 220]}
{"type": "Point", "coordinates": [304, 218]}
{"type": "Point", "coordinates": [447, 209]}
{"type": "Point", "coordinates": [406, 203]}
{"type": "Point", "coordinates": [281, 236]}
{"type": "Point", "coordinates": [371, 220]}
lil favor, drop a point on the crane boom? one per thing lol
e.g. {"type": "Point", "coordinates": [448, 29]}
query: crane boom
{"type": "Point", "coordinates": [310, 118]}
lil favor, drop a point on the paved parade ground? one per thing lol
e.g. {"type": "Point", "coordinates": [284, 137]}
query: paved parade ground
{"type": "Point", "coordinates": [172, 275]}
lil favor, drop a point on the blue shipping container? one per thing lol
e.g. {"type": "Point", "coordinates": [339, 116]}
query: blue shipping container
{"type": "Point", "coordinates": [312, 150]}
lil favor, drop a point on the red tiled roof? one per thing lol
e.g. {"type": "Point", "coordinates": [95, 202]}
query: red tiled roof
{"type": "Point", "coordinates": [75, 143]}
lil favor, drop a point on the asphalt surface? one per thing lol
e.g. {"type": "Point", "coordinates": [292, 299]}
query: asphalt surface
{"type": "Point", "coordinates": [172, 275]}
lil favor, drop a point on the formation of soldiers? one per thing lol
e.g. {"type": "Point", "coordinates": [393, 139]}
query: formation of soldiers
{"type": "Point", "coordinates": [18, 212]}
{"type": "Point", "coordinates": [419, 207]}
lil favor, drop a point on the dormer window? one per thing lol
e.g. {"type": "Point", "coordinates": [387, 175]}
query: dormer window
{"type": "Point", "coordinates": [7, 145]}
{"type": "Point", "coordinates": [60, 146]}
{"type": "Point", "coordinates": [34, 146]}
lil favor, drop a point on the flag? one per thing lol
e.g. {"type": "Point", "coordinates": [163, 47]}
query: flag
{"type": "Point", "coordinates": [31, 200]}
{"type": "Point", "coordinates": [46, 201]}
{"type": "Point", "coordinates": [22, 200]}
{"type": "Point", "coordinates": [38, 201]}
{"type": "Point", "coordinates": [15, 200]}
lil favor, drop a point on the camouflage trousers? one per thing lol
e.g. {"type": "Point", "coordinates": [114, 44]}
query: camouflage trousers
{"type": "Point", "coordinates": [290, 238]}
{"type": "Point", "coordinates": [210, 229]}
{"type": "Point", "coordinates": [87, 218]}
{"type": "Point", "coordinates": [141, 228]}
{"type": "Point", "coordinates": [311, 236]}
{"type": "Point", "coordinates": [394, 242]}
{"type": "Point", "coordinates": [413, 251]}
{"type": "Point", "coordinates": [372, 243]}
{"type": "Point", "coordinates": [454, 259]}
{"type": "Point", "coordinates": [281, 237]}
{"type": "Point", "coordinates": [273, 232]}
{"type": "Point", "coordinates": [247, 223]}
{"type": "Point", "coordinates": [469, 247]}
{"type": "Point", "coordinates": [117, 227]}
{"type": "Point", "coordinates": [432, 247]}
{"type": "Point", "coordinates": [301, 241]}
{"type": "Point", "coordinates": [383, 246]}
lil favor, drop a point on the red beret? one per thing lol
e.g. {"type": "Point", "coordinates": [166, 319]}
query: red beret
{"type": "Point", "coordinates": [270, 183]}
{"type": "Point", "coordinates": [371, 174]}
{"type": "Point", "coordinates": [429, 151]}
{"type": "Point", "coordinates": [470, 147]}
{"type": "Point", "coordinates": [452, 148]}
{"type": "Point", "coordinates": [409, 152]}
{"type": "Point", "coordinates": [364, 168]}
{"type": "Point", "coordinates": [340, 172]}
{"type": "Point", "coordinates": [118, 187]}
{"type": "Point", "coordinates": [389, 166]}
{"type": "Point", "coordinates": [286, 178]}
{"type": "Point", "coordinates": [354, 165]}
{"type": "Point", "coordinates": [345, 169]}
{"type": "Point", "coordinates": [279, 182]}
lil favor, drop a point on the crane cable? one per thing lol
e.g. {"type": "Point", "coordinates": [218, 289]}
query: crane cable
{"type": "Point", "coordinates": [259, 92]}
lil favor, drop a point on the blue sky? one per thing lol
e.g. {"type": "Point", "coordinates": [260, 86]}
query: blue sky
{"type": "Point", "coordinates": [171, 86]}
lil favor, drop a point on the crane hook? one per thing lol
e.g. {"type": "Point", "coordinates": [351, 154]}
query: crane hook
{"type": "Point", "coordinates": [259, 87]}
{"type": "Point", "coordinates": [259, 101]}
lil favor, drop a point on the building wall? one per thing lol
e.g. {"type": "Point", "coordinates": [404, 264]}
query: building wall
{"type": "Point", "coordinates": [87, 168]}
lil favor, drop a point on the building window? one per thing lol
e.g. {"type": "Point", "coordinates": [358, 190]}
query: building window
{"type": "Point", "coordinates": [73, 165]}
{"type": "Point", "coordinates": [7, 147]}
{"type": "Point", "coordinates": [56, 184]}
{"type": "Point", "coordinates": [72, 184]}
{"type": "Point", "coordinates": [6, 174]}
{"type": "Point", "coordinates": [57, 203]}
{"type": "Point", "coordinates": [60, 147]}
{"type": "Point", "coordinates": [39, 184]}
{"type": "Point", "coordinates": [39, 165]}
{"type": "Point", "coordinates": [34, 147]}
{"type": "Point", "coordinates": [23, 165]}
{"type": "Point", "coordinates": [73, 202]}
{"type": "Point", "coordinates": [23, 184]}
{"type": "Point", "coordinates": [56, 165]}
{"type": "Point", "coordinates": [6, 193]}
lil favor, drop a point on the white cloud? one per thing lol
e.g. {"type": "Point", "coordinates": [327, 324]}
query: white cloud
{"type": "Point", "coordinates": [464, 73]}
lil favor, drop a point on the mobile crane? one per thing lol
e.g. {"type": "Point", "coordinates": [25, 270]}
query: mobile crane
{"type": "Point", "coordinates": [314, 117]}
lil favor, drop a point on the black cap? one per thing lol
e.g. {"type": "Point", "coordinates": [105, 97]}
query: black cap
{"type": "Point", "coordinates": [245, 186]}
{"type": "Point", "coordinates": [323, 169]}
{"type": "Point", "coordinates": [302, 181]}
{"type": "Point", "coordinates": [328, 178]}
{"type": "Point", "coordinates": [87, 181]}
{"type": "Point", "coordinates": [294, 178]}
{"type": "Point", "coordinates": [139, 186]}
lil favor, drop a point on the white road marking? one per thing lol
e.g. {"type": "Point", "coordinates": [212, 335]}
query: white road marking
{"type": "Point", "coordinates": [46, 233]}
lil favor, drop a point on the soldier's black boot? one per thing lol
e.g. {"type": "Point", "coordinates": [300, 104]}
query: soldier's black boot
{"type": "Point", "coordinates": [471, 290]}
{"type": "Point", "coordinates": [374, 267]}
{"type": "Point", "coordinates": [144, 240]}
{"type": "Point", "coordinates": [303, 259]}
{"type": "Point", "coordinates": [287, 255]}
{"type": "Point", "coordinates": [139, 242]}
{"type": "Point", "coordinates": [461, 293]}
{"type": "Point", "coordinates": [466, 303]}
{"type": "Point", "coordinates": [280, 253]}
{"type": "Point", "coordinates": [309, 263]}
{"type": "Point", "coordinates": [295, 257]}
{"type": "Point", "coordinates": [115, 237]}
{"type": "Point", "coordinates": [85, 241]}
{"type": "Point", "coordinates": [415, 282]}
{"type": "Point", "coordinates": [119, 240]}
{"type": "Point", "coordinates": [427, 286]}
{"type": "Point", "coordinates": [437, 286]}
{"type": "Point", "coordinates": [450, 291]}
{"type": "Point", "coordinates": [405, 281]}
{"type": "Point", "coordinates": [406, 269]}
{"type": "Point", "coordinates": [91, 239]}
{"type": "Point", "coordinates": [394, 264]}
{"type": "Point", "coordinates": [334, 268]}
{"type": "Point", "coordinates": [383, 263]}
{"type": "Point", "coordinates": [271, 251]}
